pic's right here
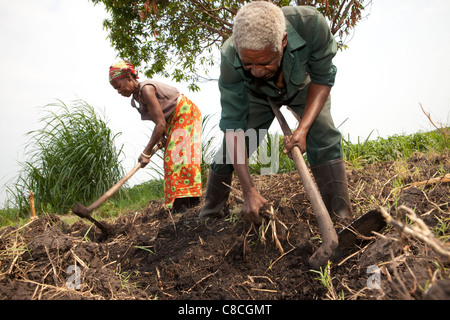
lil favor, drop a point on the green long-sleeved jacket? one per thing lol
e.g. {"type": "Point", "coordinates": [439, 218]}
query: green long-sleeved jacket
{"type": "Point", "coordinates": [310, 50]}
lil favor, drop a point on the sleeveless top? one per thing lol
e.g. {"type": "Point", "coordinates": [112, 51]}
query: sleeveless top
{"type": "Point", "coordinates": [166, 95]}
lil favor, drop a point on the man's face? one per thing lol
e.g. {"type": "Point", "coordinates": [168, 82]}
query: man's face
{"type": "Point", "coordinates": [264, 63]}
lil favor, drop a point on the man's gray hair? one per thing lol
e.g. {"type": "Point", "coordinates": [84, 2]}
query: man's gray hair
{"type": "Point", "coordinates": [258, 25]}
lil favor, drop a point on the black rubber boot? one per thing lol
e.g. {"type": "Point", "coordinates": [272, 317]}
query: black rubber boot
{"type": "Point", "coordinates": [216, 195]}
{"type": "Point", "coordinates": [332, 182]}
{"type": "Point", "coordinates": [181, 205]}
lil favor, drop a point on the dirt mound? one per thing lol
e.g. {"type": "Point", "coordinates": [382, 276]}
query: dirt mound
{"type": "Point", "coordinates": [153, 254]}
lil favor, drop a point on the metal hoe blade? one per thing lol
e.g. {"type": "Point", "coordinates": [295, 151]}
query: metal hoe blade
{"type": "Point", "coordinates": [362, 227]}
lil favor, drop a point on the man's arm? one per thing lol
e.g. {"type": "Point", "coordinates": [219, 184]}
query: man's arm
{"type": "Point", "coordinates": [316, 98]}
{"type": "Point", "coordinates": [233, 123]}
{"type": "Point", "coordinates": [253, 201]}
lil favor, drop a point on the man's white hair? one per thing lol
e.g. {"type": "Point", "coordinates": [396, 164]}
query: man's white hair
{"type": "Point", "coordinates": [258, 25]}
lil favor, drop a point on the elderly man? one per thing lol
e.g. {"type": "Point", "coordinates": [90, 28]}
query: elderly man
{"type": "Point", "coordinates": [284, 54]}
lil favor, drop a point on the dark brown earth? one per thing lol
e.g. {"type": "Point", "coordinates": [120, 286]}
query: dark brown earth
{"type": "Point", "coordinates": [153, 254]}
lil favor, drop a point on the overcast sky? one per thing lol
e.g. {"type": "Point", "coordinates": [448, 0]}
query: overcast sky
{"type": "Point", "coordinates": [57, 49]}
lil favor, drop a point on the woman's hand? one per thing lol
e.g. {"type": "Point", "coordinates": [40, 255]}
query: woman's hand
{"type": "Point", "coordinates": [144, 160]}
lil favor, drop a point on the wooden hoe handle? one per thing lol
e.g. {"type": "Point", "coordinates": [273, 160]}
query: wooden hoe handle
{"type": "Point", "coordinates": [121, 182]}
{"type": "Point", "coordinates": [328, 233]}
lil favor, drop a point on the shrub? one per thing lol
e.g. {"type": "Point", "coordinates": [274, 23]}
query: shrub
{"type": "Point", "coordinates": [72, 159]}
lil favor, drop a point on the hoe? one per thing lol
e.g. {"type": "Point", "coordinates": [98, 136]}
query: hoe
{"type": "Point", "coordinates": [85, 212]}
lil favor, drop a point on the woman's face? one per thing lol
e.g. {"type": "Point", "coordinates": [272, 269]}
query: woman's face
{"type": "Point", "coordinates": [124, 85]}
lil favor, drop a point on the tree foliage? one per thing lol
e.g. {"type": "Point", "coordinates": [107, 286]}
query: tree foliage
{"type": "Point", "coordinates": [177, 38]}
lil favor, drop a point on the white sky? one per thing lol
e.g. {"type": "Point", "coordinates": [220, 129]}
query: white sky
{"type": "Point", "coordinates": [57, 49]}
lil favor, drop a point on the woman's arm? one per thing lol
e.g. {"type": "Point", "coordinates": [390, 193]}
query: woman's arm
{"type": "Point", "coordinates": [148, 94]}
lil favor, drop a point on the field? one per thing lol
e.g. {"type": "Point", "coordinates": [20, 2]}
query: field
{"type": "Point", "coordinates": [153, 254]}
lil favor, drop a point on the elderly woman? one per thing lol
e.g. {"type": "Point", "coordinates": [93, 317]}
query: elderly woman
{"type": "Point", "coordinates": [284, 54]}
{"type": "Point", "coordinates": [176, 118]}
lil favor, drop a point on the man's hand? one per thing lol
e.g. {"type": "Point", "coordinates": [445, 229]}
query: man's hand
{"type": "Point", "coordinates": [317, 96]}
{"type": "Point", "coordinates": [297, 139]}
{"type": "Point", "coordinates": [253, 202]}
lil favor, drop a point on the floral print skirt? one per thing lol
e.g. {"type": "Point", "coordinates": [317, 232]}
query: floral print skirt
{"type": "Point", "coordinates": [182, 155]}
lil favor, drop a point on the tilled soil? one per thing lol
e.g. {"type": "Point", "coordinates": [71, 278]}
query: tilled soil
{"type": "Point", "coordinates": [155, 254]}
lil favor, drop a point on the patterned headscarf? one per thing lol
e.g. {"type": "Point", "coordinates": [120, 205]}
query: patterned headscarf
{"type": "Point", "coordinates": [120, 69]}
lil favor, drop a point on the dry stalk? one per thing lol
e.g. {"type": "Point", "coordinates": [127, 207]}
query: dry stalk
{"type": "Point", "coordinates": [417, 230]}
{"type": "Point", "coordinates": [268, 214]}
{"type": "Point", "coordinates": [438, 207]}
{"type": "Point", "coordinates": [55, 273]}
{"type": "Point", "coordinates": [428, 115]}
{"type": "Point", "coordinates": [4, 236]}
{"type": "Point", "coordinates": [245, 240]}
{"type": "Point", "coordinates": [33, 209]}
{"type": "Point", "coordinates": [58, 290]}
{"type": "Point", "coordinates": [360, 251]}
{"type": "Point", "coordinates": [14, 249]}
{"type": "Point", "coordinates": [202, 279]}
{"type": "Point", "coordinates": [257, 286]}
{"type": "Point", "coordinates": [278, 259]}
{"type": "Point", "coordinates": [443, 179]}
{"type": "Point", "coordinates": [401, 287]}
{"type": "Point", "coordinates": [424, 183]}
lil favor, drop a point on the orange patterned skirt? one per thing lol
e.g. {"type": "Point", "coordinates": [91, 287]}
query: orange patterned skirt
{"type": "Point", "coordinates": [182, 155]}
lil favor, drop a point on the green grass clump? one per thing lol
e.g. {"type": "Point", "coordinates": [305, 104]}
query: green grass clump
{"type": "Point", "coordinates": [395, 147]}
{"type": "Point", "coordinates": [73, 158]}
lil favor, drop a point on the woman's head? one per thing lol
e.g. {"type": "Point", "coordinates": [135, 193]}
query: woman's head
{"type": "Point", "coordinates": [122, 69]}
{"type": "Point", "coordinates": [122, 76]}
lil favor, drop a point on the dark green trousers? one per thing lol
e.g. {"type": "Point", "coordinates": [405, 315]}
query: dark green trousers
{"type": "Point", "coordinates": [323, 142]}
